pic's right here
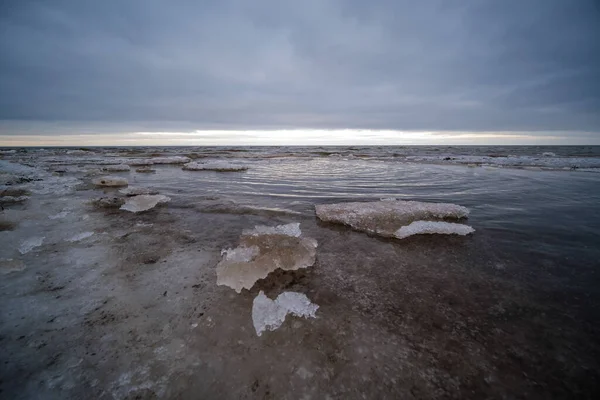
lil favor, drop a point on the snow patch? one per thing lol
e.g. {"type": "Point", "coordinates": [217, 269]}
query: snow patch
{"type": "Point", "coordinates": [431, 227]}
{"type": "Point", "coordinates": [144, 202]}
{"type": "Point", "coordinates": [270, 314]}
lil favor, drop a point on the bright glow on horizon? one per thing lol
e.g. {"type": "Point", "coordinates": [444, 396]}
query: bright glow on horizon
{"type": "Point", "coordinates": [307, 137]}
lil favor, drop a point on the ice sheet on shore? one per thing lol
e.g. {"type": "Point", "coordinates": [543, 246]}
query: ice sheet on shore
{"type": "Point", "coordinates": [385, 218]}
{"type": "Point", "coordinates": [110, 181]}
{"type": "Point", "coordinates": [270, 314]}
{"type": "Point", "coordinates": [263, 250]}
{"type": "Point", "coordinates": [31, 244]}
{"type": "Point", "coordinates": [137, 190]}
{"type": "Point", "coordinates": [144, 202]}
{"type": "Point", "coordinates": [219, 166]}
{"type": "Point", "coordinates": [432, 227]}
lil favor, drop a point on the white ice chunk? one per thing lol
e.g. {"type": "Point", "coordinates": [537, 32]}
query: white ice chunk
{"type": "Point", "coordinates": [292, 229]}
{"type": "Point", "coordinates": [110, 181]}
{"type": "Point", "coordinates": [220, 166]}
{"type": "Point", "coordinates": [117, 168]}
{"type": "Point", "coordinates": [431, 227]}
{"type": "Point", "coordinates": [30, 244]}
{"type": "Point", "coordinates": [80, 236]}
{"type": "Point", "coordinates": [144, 202]}
{"type": "Point", "coordinates": [137, 190]}
{"type": "Point", "coordinates": [386, 217]}
{"type": "Point", "coordinates": [262, 252]}
{"type": "Point", "coordinates": [270, 314]}
{"type": "Point", "coordinates": [548, 154]}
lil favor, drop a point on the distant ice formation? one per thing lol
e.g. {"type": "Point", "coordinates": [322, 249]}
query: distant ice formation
{"type": "Point", "coordinates": [137, 190]}
{"type": "Point", "coordinates": [116, 168]}
{"type": "Point", "coordinates": [269, 314]}
{"type": "Point", "coordinates": [144, 202]}
{"type": "Point", "coordinates": [31, 244]}
{"type": "Point", "coordinates": [110, 181]}
{"type": "Point", "coordinates": [220, 166]}
{"type": "Point", "coordinates": [263, 250]}
{"type": "Point", "coordinates": [159, 160]}
{"type": "Point", "coordinates": [430, 227]}
{"type": "Point", "coordinates": [385, 218]}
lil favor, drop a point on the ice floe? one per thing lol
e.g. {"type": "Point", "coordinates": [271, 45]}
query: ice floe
{"type": "Point", "coordinates": [269, 314]}
{"type": "Point", "coordinates": [144, 202]}
{"type": "Point", "coordinates": [431, 227]}
{"type": "Point", "coordinates": [385, 218]}
{"type": "Point", "coordinates": [137, 190]}
{"type": "Point", "coordinates": [110, 181]}
{"type": "Point", "coordinates": [159, 160]}
{"type": "Point", "coordinates": [219, 166]}
{"type": "Point", "coordinates": [263, 250]}
{"type": "Point", "coordinates": [31, 244]}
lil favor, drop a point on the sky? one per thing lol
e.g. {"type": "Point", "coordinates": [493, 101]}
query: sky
{"type": "Point", "coordinates": [279, 72]}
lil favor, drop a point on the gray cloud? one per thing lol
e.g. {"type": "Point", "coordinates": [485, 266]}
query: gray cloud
{"type": "Point", "coordinates": [408, 65]}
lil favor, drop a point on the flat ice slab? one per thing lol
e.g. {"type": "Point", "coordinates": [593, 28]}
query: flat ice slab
{"type": "Point", "coordinates": [110, 181]}
{"type": "Point", "coordinates": [385, 218]}
{"type": "Point", "coordinates": [431, 227]}
{"type": "Point", "coordinates": [269, 314]}
{"type": "Point", "coordinates": [31, 244]}
{"type": "Point", "coordinates": [214, 166]}
{"type": "Point", "coordinates": [263, 250]}
{"type": "Point", "coordinates": [144, 202]}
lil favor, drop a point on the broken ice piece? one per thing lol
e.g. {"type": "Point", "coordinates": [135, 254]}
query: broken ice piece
{"type": "Point", "coordinates": [263, 250]}
{"type": "Point", "coordinates": [269, 314]}
{"type": "Point", "coordinates": [385, 218]}
{"type": "Point", "coordinates": [110, 181]}
{"type": "Point", "coordinates": [31, 244]}
{"type": "Point", "coordinates": [144, 202]}
{"type": "Point", "coordinates": [431, 227]}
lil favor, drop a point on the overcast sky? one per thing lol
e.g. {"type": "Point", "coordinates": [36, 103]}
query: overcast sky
{"type": "Point", "coordinates": [303, 71]}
